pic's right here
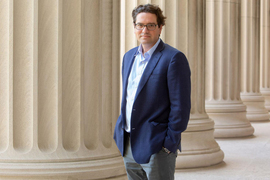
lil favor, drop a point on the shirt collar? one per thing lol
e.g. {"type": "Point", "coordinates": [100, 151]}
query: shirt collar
{"type": "Point", "coordinates": [150, 52]}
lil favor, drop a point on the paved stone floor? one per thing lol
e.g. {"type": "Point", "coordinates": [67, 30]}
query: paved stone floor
{"type": "Point", "coordinates": [245, 159]}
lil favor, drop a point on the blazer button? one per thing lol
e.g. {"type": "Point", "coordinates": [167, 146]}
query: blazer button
{"type": "Point", "coordinates": [133, 128]}
{"type": "Point", "coordinates": [133, 109]}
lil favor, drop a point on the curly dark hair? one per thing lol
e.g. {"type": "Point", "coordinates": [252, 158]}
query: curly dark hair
{"type": "Point", "coordinates": [149, 8]}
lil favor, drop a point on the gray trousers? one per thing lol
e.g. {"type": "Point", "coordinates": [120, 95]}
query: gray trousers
{"type": "Point", "coordinates": [160, 167]}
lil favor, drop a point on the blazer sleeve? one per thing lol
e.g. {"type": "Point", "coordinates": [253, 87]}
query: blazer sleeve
{"type": "Point", "coordinates": [179, 88]}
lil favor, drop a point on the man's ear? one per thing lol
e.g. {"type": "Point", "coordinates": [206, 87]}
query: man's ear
{"type": "Point", "coordinates": [161, 26]}
{"type": "Point", "coordinates": [134, 29]}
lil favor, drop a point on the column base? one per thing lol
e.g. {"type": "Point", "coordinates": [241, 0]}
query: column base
{"type": "Point", "coordinates": [230, 132]}
{"type": "Point", "coordinates": [199, 149]}
{"type": "Point", "coordinates": [254, 117]}
{"type": "Point", "coordinates": [266, 95]}
{"type": "Point", "coordinates": [94, 169]}
{"type": "Point", "coordinates": [123, 177]}
{"type": "Point", "coordinates": [267, 103]}
{"type": "Point", "coordinates": [256, 110]}
{"type": "Point", "coordinates": [230, 120]}
{"type": "Point", "coordinates": [229, 125]}
{"type": "Point", "coordinates": [185, 161]}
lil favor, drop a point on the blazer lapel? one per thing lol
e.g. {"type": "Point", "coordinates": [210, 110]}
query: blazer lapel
{"type": "Point", "coordinates": [150, 67]}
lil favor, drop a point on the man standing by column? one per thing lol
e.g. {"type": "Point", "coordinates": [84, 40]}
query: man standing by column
{"type": "Point", "coordinates": [155, 102]}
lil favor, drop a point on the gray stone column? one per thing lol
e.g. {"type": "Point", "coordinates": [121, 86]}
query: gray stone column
{"type": "Point", "coordinates": [265, 52]}
{"type": "Point", "coordinates": [199, 146]}
{"type": "Point", "coordinates": [59, 89]}
{"type": "Point", "coordinates": [222, 88]}
{"type": "Point", "coordinates": [250, 62]}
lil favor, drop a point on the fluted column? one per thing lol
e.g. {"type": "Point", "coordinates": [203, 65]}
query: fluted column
{"type": "Point", "coordinates": [184, 30]}
{"type": "Point", "coordinates": [5, 57]}
{"type": "Point", "coordinates": [250, 62]}
{"type": "Point", "coordinates": [222, 89]}
{"type": "Point", "coordinates": [265, 52]}
{"type": "Point", "coordinates": [199, 146]}
{"type": "Point", "coordinates": [59, 89]}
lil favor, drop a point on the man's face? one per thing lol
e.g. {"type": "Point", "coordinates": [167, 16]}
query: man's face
{"type": "Point", "coordinates": [145, 37]}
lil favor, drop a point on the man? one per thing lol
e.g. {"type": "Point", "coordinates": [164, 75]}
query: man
{"type": "Point", "coordinates": [155, 102]}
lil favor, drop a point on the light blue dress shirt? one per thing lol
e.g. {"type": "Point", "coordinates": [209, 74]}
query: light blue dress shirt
{"type": "Point", "coordinates": [135, 75]}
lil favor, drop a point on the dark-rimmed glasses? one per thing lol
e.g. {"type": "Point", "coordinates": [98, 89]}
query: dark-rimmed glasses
{"type": "Point", "coordinates": [150, 26]}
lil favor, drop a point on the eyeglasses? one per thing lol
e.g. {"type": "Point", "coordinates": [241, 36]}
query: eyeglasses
{"type": "Point", "coordinates": [150, 27]}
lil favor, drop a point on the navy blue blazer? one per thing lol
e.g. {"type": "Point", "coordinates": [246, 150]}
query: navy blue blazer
{"type": "Point", "coordinates": [161, 107]}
